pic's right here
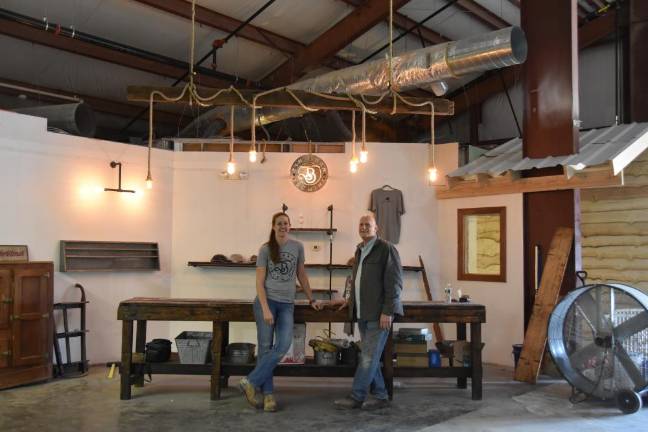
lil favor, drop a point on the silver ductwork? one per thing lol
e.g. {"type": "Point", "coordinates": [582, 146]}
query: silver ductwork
{"type": "Point", "coordinates": [75, 118]}
{"type": "Point", "coordinates": [425, 66]}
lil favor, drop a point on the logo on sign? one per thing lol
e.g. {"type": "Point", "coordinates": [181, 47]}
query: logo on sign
{"type": "Point", "coordinates": [309, 173]}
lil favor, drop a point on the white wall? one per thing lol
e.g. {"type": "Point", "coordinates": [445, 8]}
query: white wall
{"type": "Point", "coordinates": [212, 215]}
{"type": "Point", "coordinates": [47, 194]}
{"type": "Point", "coordinates": [47, 184]}
{"type": "Point", "coordinates": [504, 301]}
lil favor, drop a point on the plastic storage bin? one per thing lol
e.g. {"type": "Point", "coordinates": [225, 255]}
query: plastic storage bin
{"type": "Point", "coordinates": [194, 346]}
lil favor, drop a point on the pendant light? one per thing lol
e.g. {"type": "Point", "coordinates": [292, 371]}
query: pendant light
{"type": "Point", "coordinates": [364, 154]}
{"type": "Point", "coordinates": [231, 165]}
{"type": "Point", "coordinates": [353, 163]}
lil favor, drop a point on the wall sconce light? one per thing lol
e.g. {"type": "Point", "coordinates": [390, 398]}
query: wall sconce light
{"type": "Point", "coordinates": [238, 175]}
{"type": "Point", "coordinates": [114, 164]}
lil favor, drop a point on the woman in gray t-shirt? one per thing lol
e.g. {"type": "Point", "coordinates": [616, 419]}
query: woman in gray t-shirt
{"type": "Point", "coordinates": [279, 263]}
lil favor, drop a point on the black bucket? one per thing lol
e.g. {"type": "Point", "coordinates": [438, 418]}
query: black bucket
{"type": "Point", "coordinates": [349, 356]}
{"type": "Point", "coordinates": [517, 350]}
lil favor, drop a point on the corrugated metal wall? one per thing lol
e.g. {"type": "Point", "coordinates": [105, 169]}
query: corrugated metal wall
{"type": "Point", "coordinates": [614, 229]}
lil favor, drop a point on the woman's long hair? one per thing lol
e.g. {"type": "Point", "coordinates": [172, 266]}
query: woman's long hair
{"type": "Point", "coordinates": [272, 241]}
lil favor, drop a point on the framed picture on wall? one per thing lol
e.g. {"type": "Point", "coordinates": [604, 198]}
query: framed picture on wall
{"type": "Point", "coordinates": [13, 253]}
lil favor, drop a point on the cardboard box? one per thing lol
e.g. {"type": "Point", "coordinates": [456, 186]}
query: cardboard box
{"type": "Point", "coordinates": [411, 348]}
{"type": "Point", "coordinates": [297, 352]}
{"type": "Point", "coordinates": [412, 360]}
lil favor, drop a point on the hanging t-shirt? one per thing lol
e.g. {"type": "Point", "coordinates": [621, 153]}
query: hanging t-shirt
{"type": "Point", "coordinates": [387, 205]}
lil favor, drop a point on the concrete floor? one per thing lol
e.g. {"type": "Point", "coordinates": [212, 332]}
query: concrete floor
{"type": "Point", "coordinates": [181, 403]}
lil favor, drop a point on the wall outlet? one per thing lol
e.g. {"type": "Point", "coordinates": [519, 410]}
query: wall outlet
{"type": "Point", "coordinates": [317, 248]}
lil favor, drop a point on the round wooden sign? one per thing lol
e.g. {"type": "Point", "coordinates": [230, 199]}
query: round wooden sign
{"type": "Point", "coordinates": [309, 173]}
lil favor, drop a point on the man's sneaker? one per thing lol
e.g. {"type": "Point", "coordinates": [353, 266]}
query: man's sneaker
{"type": "Point", "coordinates": [348, 403]}
{"type": "Point", "coordinates": [248, 391]}
{"type": "Point", "coordinates": [269, 403]}
{"type": "Point", "coordinates": [375, 404]}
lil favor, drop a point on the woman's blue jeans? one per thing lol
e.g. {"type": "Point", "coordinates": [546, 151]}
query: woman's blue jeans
{"type": "Point", "coordinates": [281, 333]}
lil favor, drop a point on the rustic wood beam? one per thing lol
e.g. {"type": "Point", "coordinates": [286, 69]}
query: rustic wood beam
{"type": "Point", "coordinates": [211, 18]}
{"type": "Point", "coordinates": [269, 147]}
{"type": "Point", "coordinates": [496, 186]}
{"type": "Point", "coordinates": [331, 41]}
{"type": "Point", "coordinates": [282, 99]}
{"type": "Point", "coordinates": [404, 23]}
{"type": "Point", "coordinates": [99, 104]}
{"type": "Point", "coordinates": [76, 46]}
{"type": "Point", "coordinates": [482, 14]}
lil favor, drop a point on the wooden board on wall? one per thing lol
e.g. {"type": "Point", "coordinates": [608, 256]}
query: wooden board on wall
{"type": "Point", "coordinates": [535, 338]}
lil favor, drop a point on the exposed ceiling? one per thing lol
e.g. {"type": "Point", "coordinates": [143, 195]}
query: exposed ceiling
{"type": "Point", "coordinates": [118, 43]}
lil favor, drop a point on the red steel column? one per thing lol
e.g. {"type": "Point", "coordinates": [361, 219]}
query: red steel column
{"type": "Point", "coordinates": [550, 124]}
{"type": "Point", "coordinates": [638, 61]}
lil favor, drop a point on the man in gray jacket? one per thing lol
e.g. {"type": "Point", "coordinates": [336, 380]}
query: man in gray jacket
{"type": "Point", "coordinates": [373, 301]}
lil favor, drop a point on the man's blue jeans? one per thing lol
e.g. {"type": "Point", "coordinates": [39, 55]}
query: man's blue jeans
{"type": "Point", "coordinates": [281, 333]}
{"type": "Point", "coordinates": [368, 373]}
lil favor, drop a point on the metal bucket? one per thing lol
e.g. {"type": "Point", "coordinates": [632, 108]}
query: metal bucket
{"type": "Point", "coordinates": [326, 358]}
{"type": "Point", "coordinates": [240, 353]}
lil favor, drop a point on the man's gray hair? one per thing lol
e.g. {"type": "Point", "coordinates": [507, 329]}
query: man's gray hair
{"type": "Point", "coordinates": [370, 216]}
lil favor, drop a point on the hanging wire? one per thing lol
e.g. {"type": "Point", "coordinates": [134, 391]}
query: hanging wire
{"type": "Point", "coordinates": [191, 92]}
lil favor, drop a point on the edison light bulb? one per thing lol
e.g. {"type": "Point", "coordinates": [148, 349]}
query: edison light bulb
{"type": "Point", "coordinates": [231, 167]}
{"type": "Point", "coordinates": [253, 155]}
{"type": "Point", "coordinates": [433, 174]}
{"type": "Point", "coordinates": [364, 154]}
{"type": "Point", "coordinates": [353, 165]}
{"type": "Point", "coordinates": [149, 182]}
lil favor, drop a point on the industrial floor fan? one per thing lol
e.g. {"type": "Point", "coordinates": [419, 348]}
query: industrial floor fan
{"type": "Point", "coordinates": [598, 338]}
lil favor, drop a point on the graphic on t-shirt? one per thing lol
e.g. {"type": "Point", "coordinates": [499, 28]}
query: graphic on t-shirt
{"type": "Point", "coordinates": [285, 269]}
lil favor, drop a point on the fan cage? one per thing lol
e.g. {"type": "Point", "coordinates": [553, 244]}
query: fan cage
{"type": "Point", "coordinates": [582, 339]}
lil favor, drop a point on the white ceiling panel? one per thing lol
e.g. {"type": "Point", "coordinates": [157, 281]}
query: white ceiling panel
{"type": "Point", "coordinates": [301, 20]}
{"type": "Point", "coordinates": [49, 67]}
{"type": "Point", "coordinates": [375, 38]}
{"type": "Point", "coordinates": [504, 9]}
{"type": "Point", "coordinates": [150, 29]}
{"type": "Point", "coordinates": [451, 23]}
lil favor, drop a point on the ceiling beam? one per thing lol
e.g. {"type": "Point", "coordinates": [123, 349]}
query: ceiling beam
{"type": "Point", "coordinates": [76, 46]}
{"type": "Point", "coordinates": [482, 14]}
{"type": "Point", "coordinates": [211, 18]}
{"type": "Point", "coordinates": [404, 23]}
{"type": "Point", "coordinates": [106, 106]}
{"type": "Point", "coordinates": [332, 41]}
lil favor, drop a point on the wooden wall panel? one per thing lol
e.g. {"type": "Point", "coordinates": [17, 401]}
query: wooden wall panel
{"type": "Point", "coordinates": [614, 230]}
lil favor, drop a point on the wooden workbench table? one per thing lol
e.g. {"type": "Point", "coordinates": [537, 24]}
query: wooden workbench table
{"type": "Point", "coordinates": [222, 312]}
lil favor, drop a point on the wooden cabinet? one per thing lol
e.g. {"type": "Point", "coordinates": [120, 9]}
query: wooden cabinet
{"type": "Point", "coordinates": [26, 330]}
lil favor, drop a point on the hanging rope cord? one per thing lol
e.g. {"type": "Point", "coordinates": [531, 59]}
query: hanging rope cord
{"type": "Point", "coordinates": [191, 91]}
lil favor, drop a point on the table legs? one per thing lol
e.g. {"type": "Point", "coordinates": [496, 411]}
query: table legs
{"type": "Point", "coordinates": [388, 364]}
{"type": "Point", "coordinates": [461, 335]}
{"type": "Point", "coordinates": [217, 344]}
{"type": "Point", "coordinates": [140, 343]}
{"type": "Point", "coordinates": [476, 360]}
{"type": "Point", "coordinates": [225, 326]}
{"type": "Point", "coordinates": [126, 359]}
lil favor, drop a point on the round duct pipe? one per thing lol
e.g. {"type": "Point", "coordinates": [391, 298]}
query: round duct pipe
{"type": "Point", "coordinates": [75, 118]}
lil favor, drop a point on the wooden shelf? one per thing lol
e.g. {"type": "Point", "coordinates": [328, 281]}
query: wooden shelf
{"type": "Point", "coordinates": [314, 230]}
{"type": "Point", "coordinates": [208, 264]}
{"type": "Point", "coordinates": [91, 256]}
{"type": "Point", "coordinates": [308, 369]}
